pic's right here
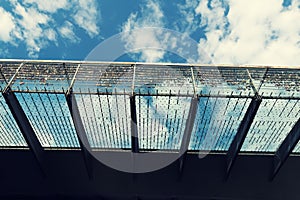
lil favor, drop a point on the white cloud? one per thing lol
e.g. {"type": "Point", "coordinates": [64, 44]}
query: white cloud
{"type": "Point", "coordinates": [147, 42]}
{"type": "Point", "coordinates": [253, 32]}
{"type": "Point", "coordinates": [143, 34]}
{"type": "Point", "coordinates": [49, 6]}
{"type": "Point", "coordinates": [7, 25]}
{"type": "Point", "coordinates": [188, 20]}
{"type": "Point", "coordinates": [66, 31]}
{"type": "Point", "coordinates": [86, 16]}
{"type": "Point", "coordinates": [4, 52]}
{"type": "Point", "coordinates": [32, 22]}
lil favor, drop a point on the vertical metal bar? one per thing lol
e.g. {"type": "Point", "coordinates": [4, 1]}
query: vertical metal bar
{"type": "Point", "coordinates": [113, 125]}
{"type": "Point", "coordinates": [187, 133]}
{"type": "Point", "coordinates": [25, 127]}
{"type": "Point", "coordinates": [251, 83]}
{"type": "Point", "coordinates": [263, 78]}
{"type": "Point", "coordinates": [67, 122]}
{"type": "Point", "coordinates": [80, 131]}
{"type": "Point", "coordinates": [134, 129]}
{"type": "Point", "coordinates": [126, 127]}
{"type": "Point", "coordinates": [103, 122]}
{"type": "Point", "coordinates": [118, 123]}
{"type": "Point", "coordinates": [241, 133]}
{"type": "Point", "coordinates": [193, 79]}
{"type": "Point", "coordinates": [286, 148]}
{"type": "Point", "coordinates": [8, 86]}
{"type": "Point", "coordinates": [73, 80]}
{"type": "Point", "coordinates": [97, 132]}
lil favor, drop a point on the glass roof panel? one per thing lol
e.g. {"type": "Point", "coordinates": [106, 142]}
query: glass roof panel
{"type": "Point", "coordinates": [216, 122]}
{"type": "Point", "coordinates": [106, 119]}
{"type": "Point", "coordinates": [223, 81]}
{"type": "Point", "coordinates": [104, 78]}
{"type": "Point", "coordinates": [212, 80]}
{"type": "Point", "coordinates": [158, 79]}
{"type": "Point", "coordinates": [10, 134]}
{"type": "Point", "coordinates": [163, 97]}
{"type": "Point", "coordinates": [7, 70]}
{"type": "Point", "coordinates": [273, 121]}
{"type": "Point", "coordinates": [50, 118]}
{"type": "Point", "coordinates": [161, 121]}
{"type": "Point", "coordinates": [281, 82]}
{"type": "Point", "coordinates": [44, 77]}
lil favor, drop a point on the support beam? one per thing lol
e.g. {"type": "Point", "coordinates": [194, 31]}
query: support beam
{"type": "Point", "coordinates": [187, 133]}
{"type": "Point", "coordinates": [25, 127]}
{"type": "Point", "coordinates": [134, 129]}
{"type": "Point", "coordinates": [242, 131]}
{"type": "Point", "coordinates": [286, 148]}
{"type": "Point", "coordinates": [80, 131]}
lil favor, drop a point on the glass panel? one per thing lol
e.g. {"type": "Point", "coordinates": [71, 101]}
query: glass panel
{"type": "Point", "coordinates": [281, 82]}
{"type": "Point", "coordinates": [6, 73]}
{"type": "Point", "coordinates": [216, 122]}
{"type": "Point", "coordinates": [50, 118]}
{"type": "Point", "coordinates": [104, 78]}
{"type": "Point", "coordinates": [161, 121]}
{"type": "Point", "coordinates": [155, 79]}
{"type": "Point", "coordinates": [257, 76]}
{"type": "Point", "coordinates": [44, 77]}
{"type": "Point", "coordinates": [106, 119]}
{"type": "Point", "coordinates": [10, 134]}
{"type": "Point", "coordinates": [273, 121]}
{"type": "Point", "coordinates": [222, 81]}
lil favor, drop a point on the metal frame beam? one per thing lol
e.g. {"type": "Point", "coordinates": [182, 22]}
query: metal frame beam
{"type": "Point", "coordinates": [134, 129]}
{"type": "Point", "coordinates": [133, 121]}
{"type": "Point", "coordinates": [23, 122]}
{"type": "Point", "coordinates": [188, 126]}
{"type": "Point", "coordinates": [80, 132]}
{"type": "Point", "coordinates": [286, 148]}
{"type": "Point", "coordinates": [25, 127]}
{"type": "Point", "coordinates": [187, 133]}
{"type": "Point", "coordinates": [8, 86]}
{"type": "Point", "coordinates": [242, 131]}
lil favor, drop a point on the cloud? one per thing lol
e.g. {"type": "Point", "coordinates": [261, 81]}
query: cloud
{"type": "Point", "coordinates": [7, 25]}
{"type": "Point", "coordinates": [144, 34]}
{"type": "Point", "coordinates": [35, 22]}
{"type": "Point", "coordinates": [188, 20]}
{"type": "Point", "coordinates": [66, 31]}
{"type": "Point", "coordinates": [86, 16]}
{"type": "Point", "coordinates": [49, 6]}
{"type": "Point", "coordinates": [29, 27]}
{"type": "Point", "coordinates": [250, 32]}
{"type": "Point", "coordinates": [146, 43]}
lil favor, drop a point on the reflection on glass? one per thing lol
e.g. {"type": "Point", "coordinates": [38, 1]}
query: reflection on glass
{"type": "Point", "coordinates": [44, 77]}
{"type": "Point", "coordinates": [104, 78]}
{"type": "Point", "coordinates": [216, 123]}
{"type": "Point", "coordinates": [273, 121]}
{"type": "Point", "coordinates": [161, 121]}
{"type": "Point", "coordinates": [106, 120]}
{"type": "Point", "coordinates": [10, 134]}
{"type": "Point", "coordinates": [163, 80]}
{"type": "Point", "coordinates": [50, 118]}
{"type": "Point", "coordinates": [281, 82]}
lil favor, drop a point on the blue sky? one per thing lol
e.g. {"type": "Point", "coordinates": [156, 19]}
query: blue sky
{"type": "Point", "coordinates": [228, 32]}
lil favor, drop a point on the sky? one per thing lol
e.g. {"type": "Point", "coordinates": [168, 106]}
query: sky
{"type": "Point", "coordinates": [207, 31]}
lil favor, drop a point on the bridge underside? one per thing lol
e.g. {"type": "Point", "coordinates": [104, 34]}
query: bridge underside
{"type": "Point", "coordinates": [56, 117]}
{"type": "Point", "coordinates": [200, 179]}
